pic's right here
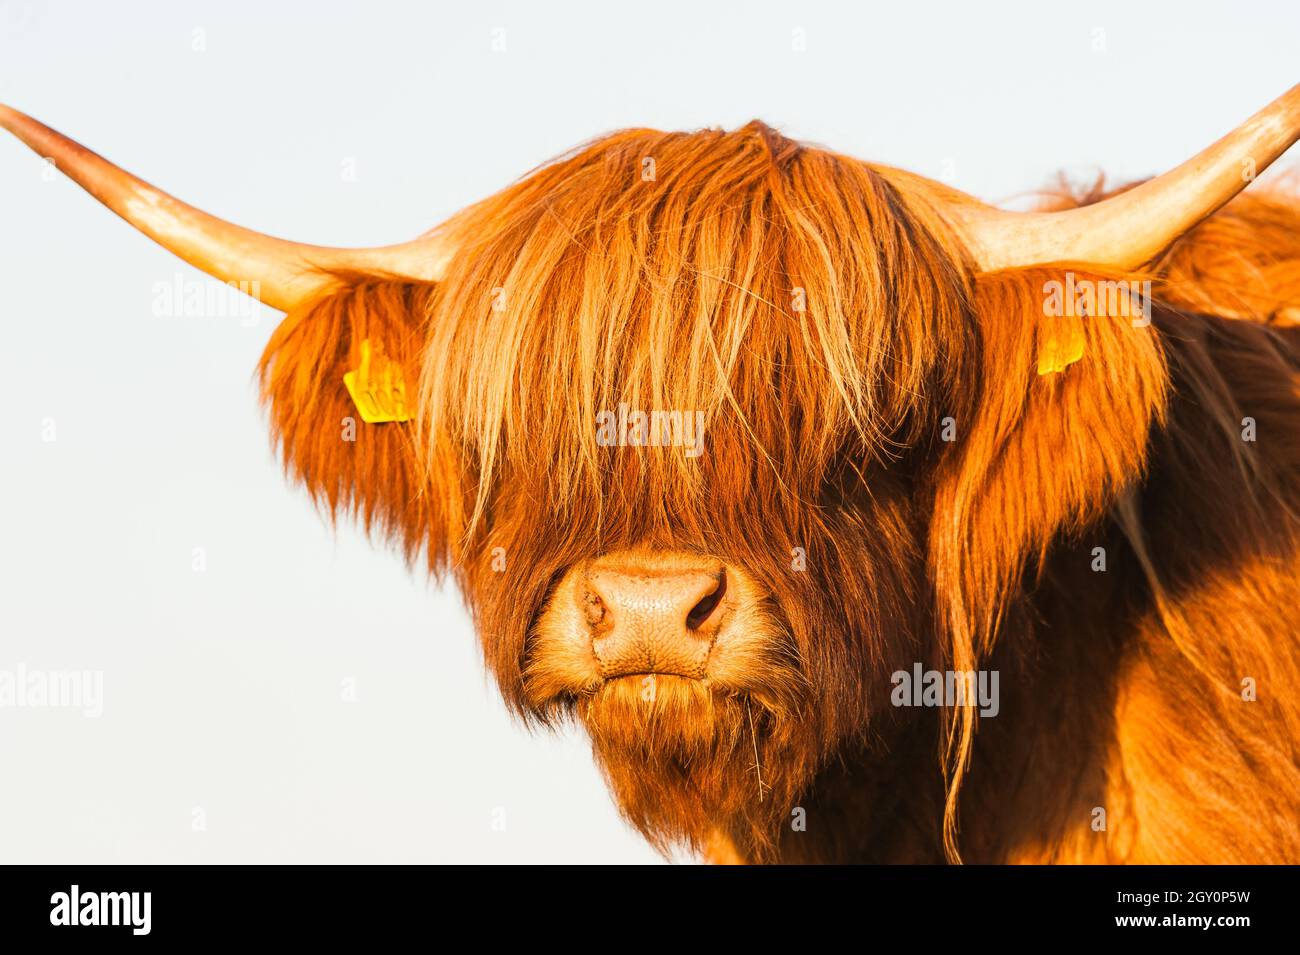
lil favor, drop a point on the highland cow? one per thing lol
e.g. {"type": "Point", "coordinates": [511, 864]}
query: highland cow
{"type": "Point", "coordinates": [918, 454]}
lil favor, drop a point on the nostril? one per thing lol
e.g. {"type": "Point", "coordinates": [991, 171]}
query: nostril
{"type": "Point", "coordinates": [703, 610]}
{"type": "Point", "coordinates": [594, 608]}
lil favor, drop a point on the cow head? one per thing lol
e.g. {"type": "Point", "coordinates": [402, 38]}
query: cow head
{"type": "Point", "coordinates": [714, 430]}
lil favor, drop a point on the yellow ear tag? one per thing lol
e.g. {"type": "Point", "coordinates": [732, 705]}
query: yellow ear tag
{"type": "Point", "coordinates": [378, 388]}
{"type": "Point", "coordinates": [1060, 343]}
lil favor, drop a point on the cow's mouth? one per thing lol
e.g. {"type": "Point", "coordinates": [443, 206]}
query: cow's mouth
{"type": "Point", "coordinates": [644, 676]}
{"type": "Point", "coordinates": [649, 690]}
{"type": "Point", "coordinates": [660, 711]}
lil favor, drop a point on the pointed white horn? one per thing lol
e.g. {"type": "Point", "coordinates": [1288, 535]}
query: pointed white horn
{"type": "Point", "coordinates": [1135, 226]}
{"type": "Point", "coordinates": [286, 273]}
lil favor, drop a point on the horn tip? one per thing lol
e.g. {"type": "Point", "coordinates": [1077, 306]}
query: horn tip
{"type": "Point", "coordinates": [9, 117]}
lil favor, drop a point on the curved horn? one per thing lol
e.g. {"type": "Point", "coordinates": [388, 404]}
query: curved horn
{"type": "Point", "coordinates": [287, 273]}
{"type": "Point", "coordinates": [1135, 226]}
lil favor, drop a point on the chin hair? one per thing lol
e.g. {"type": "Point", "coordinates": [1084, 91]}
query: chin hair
{"type": "Point", "coordinates": [682, 754]}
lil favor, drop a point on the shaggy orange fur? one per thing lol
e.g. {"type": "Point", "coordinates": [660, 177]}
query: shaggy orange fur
{"type": "Point", "coordinates": [823, 316]}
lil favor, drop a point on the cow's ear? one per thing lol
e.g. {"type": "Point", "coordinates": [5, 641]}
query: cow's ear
{"type": "Point", "coordinates": [1072, 378]}
{"type": "Point", "coordinates": [350, 355]}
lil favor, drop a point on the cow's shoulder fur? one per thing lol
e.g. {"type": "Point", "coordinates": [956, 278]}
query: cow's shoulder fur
{"type": "Point", "coordinates": [1168, 681]}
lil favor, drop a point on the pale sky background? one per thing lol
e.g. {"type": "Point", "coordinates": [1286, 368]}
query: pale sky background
{"type": "Point", "coordinates": [223, 697]}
